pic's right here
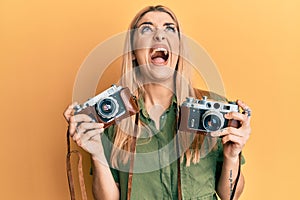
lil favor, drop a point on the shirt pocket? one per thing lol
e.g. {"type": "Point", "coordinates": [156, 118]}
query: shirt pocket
{"type": "Point", "coordinates": [198, 180]}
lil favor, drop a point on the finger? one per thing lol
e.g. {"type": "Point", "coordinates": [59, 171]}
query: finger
{"type": "Point", "coordinates": [89, 125]}
{"type": "Point", "coordinates": [76, 137]}
{"type": "Point", "coordinates": [72, 128]}
{"type": "Point", "coordinates": [227, 131]}
{"type": "Point", "coordinates": [244, 119]}
{"type": "Point", "coordinates": [68, 112]}
{"type": "Point", "coordinates": [86, 126]}
{"type": "Point", "coordinates": [232, 138]}
{"type": "Point", "coordinates": [242, 104]}
{"type": "Point", "coordinates": [90, 135]}
{"type": "Point", "coordinates": [245, 107]}
{"type": "Point", "coordinates": [236, 116]}
{"type": "Point", "coordinates": [81, 118]}
{"type": "Point", "coordinates": [82, 139]}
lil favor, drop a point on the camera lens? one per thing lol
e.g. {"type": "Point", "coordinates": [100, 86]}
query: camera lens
{"type": "Point", "coordinates": [212, 121]}
{"type": "Point", "coordinates": [107, 107]}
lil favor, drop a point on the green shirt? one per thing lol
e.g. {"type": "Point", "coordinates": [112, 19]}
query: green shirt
{"type": "Point", "coordinates": [198, 181]}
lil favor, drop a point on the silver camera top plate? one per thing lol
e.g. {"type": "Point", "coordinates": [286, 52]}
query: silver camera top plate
{"type": "Point", "coordinates": [91, 102]}
{"type": "Point", "coordinates": [208, 105]}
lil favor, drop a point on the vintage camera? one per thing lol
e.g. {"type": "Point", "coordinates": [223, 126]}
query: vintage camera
{"type": "Point", "coordinates": [206, 116]}
{"type": "Point", "coordinates": [110, 106]}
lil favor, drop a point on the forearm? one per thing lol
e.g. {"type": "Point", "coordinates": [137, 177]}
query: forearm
{"type": "Point", "coordinates": [228, 179]}
{"type": "Point", "coordinates": [104, 186]}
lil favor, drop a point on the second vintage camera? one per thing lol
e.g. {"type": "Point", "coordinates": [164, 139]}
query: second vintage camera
{"type": "Point", "coordinates": [205, 116]}
{"type": "Point", "coordinates": [113, 104]}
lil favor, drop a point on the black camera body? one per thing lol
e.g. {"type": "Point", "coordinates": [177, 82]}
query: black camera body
{"type": "Point", "coordinates": [111, 105]}
{"type": "Point", "coordinates": [205, 116]}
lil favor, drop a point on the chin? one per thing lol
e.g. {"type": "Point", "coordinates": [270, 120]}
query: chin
{"type": "Point", "coordinates": [161, 73]}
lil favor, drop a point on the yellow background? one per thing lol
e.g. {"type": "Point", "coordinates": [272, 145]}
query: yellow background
{"type": "Point", "coordinates": [255, 45]}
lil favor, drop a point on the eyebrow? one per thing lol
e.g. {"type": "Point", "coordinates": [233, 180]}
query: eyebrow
{"type": "Point", "coordinates": [169, 24]}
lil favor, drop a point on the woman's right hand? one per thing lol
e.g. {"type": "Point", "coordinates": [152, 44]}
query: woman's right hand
{"type": "Point", "coordinates": [85, 132]}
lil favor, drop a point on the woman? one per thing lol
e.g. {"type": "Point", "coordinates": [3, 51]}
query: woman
{"type": "Point", "coordinates": [159, 78]}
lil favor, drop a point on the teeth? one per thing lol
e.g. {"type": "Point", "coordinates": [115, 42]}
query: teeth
{"type": "Point", "coordinates": [160, 49]}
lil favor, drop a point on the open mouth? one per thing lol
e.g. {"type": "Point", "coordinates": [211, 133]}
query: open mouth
{"type": "Point", "coordinates": [159, 55]}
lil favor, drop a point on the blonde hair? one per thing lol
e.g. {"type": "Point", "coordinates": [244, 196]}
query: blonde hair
{"type": "Point", "coordinates": [183, 88]}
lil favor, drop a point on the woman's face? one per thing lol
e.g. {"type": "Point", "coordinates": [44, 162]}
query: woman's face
{"type": "Point", "coordinates": [156, 45]}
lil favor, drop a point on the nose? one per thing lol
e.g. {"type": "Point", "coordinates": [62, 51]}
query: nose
{"type": "Point", "coordinates": [159, 35]}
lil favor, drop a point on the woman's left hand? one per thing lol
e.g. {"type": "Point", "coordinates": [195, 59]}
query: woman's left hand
{"type": "Point", "coordinates": [234, 139]}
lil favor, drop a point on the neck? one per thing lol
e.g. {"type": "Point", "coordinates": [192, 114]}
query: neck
{"type": "Point", "coordinates": [156, 94]}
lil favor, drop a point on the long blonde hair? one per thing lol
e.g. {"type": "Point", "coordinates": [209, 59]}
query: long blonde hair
{"type": "Point", "coordinates": [183, 88]}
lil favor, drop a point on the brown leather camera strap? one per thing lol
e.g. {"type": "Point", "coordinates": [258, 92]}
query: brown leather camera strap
{"type": "Point", "coordinates": [131, 161]}
{"type": "Point", "coordinates": [79, 168]}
